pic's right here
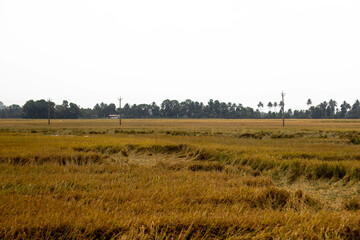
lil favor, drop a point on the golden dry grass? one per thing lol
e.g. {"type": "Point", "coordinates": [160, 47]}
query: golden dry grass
{"type": "Point", "coordinates": [179, 179]}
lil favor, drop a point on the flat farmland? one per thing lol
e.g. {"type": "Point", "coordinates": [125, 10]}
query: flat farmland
{"type": "Point", "coordinates": [180, 179]}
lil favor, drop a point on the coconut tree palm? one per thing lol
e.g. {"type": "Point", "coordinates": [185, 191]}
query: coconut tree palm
{"type": "Point", "coordinates": [309, 103]}
{"type": "Point", "coordinates": [344, 107]}
{"type": "Point", "coordinates": [355, 110]}
{"type": "Point", "coordinates": [275, 105]}
{"type": "Point", "coordinates": [270, 105]}
{"type": "Point", "coordinates": [323, 106]}
{"type": "Point", "coordinates": [260, 105]}
{"type": "Point", "coordinates": [332, 106]}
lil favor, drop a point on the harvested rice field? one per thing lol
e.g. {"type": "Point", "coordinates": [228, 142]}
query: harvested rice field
{"type": "Point", "coordinates": [179, 179]}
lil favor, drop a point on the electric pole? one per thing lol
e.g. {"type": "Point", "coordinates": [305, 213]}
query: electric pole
{"type": "Point", "coordinates": [120, 98]}
{"type": "Point", "coordinates": [49, 111]}
{"type": "Point", "coordinates": [282, 107]}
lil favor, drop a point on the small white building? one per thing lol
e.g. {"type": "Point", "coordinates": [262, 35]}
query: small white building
{"type": "Point", "coordinates": [114, 116]}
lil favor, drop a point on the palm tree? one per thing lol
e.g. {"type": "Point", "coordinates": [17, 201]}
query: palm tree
{"type": "Point", "coordinates": [332, 106]}
{"type": "Point", "coordinates": [323, 106]}
{"type": "Point", "coordinates": [270, 105]}
{"type": "Point", "coordinates": [356, 105]}
{"type": "Point", "coordinates": [309, 103]}
{"type": "Point", "coordinates": [344, 107]}
{"type": "Point", "coordinates": [260, 105]}
{"type": "Point", "coordinates": [281, 103]}
{"type": "Point", "coordinates": [275, 105]}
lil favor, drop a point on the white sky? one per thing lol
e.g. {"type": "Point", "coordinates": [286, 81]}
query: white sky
{"type": "Point", "coordinates": [240, 51]}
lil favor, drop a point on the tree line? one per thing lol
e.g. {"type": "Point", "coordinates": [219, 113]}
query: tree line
{"type": "Point", "coordinates": [39, 109]}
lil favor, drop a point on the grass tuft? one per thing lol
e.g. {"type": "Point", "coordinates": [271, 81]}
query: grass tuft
{"type": "Point", "coordinates": [206, 167]}
{"type": "Point", "coordinates": [352, 204]}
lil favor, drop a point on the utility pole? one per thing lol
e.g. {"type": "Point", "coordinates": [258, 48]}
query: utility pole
{"type": "Point", "coordinates": [49, 111]}
{"type": "Point", "coordinates": [282, 107]}
{"type": "Point", "coordinates": [120, 98]}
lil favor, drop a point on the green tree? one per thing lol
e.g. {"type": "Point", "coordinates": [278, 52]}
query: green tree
{"type": "Point", "coordinates": [322, 108]}
{"type": "Point", "coordinates": [275, 105]}
{"type": "Point", "coordinates": [154, 110]}
{"type": "Point", "coordinates": [74, 111]}
{"type": "Point", "coordinates": [331, 108]}
{"type": "Point", "coordinates": [260, 105]}
{"type": "Point", "coordinates": [309, 103]}
{"type": "Point", "coordinates": [38, 109]}
{"type": "Point", "coordinates": [354, 113]}
{"type": "Point", "coordinates": [13, 111]}
{"type": "Point", "coordinates": [344, 107]}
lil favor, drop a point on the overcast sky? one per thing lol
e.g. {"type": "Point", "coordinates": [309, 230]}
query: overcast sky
{"type": "Point", "coordinates": [239, 51]}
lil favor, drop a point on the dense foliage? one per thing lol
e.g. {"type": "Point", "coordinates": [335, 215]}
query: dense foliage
{"type": "Point", "coordinates": [175, 109]}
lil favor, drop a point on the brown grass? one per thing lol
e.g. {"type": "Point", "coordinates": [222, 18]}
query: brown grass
{"type": "Point", "coordinates": [179, 179]}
